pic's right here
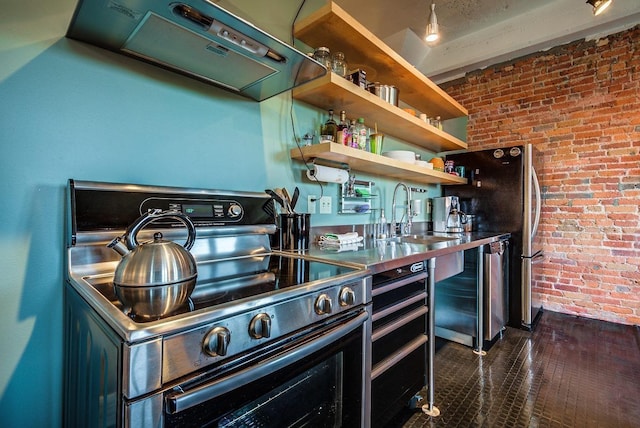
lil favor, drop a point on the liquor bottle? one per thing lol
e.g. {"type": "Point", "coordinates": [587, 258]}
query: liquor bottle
{"type": "Point", "coordinates": [343, 136]}
{"type": "Point", "coordinates": [329, 129]}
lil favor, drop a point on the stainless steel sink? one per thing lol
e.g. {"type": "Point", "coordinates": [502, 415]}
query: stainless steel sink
{"type": "Point", "coordinates": [422, 239]}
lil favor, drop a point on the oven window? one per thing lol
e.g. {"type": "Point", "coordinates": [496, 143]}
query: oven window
{"type": "Point", "coordinates": [323, 390]}
{"type": "Point", "coordinates": [321, 386]}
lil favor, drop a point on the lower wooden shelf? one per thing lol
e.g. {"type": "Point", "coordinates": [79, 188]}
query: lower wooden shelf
{"type": "Point", "coordinates": [377, 165]}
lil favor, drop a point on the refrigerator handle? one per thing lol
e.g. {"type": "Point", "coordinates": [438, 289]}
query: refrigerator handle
{"type": "Point", "coordinates": [536, 185]}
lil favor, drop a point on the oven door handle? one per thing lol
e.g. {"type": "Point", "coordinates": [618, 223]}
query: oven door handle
{"type": "Point", "coordinates": [178, 401]}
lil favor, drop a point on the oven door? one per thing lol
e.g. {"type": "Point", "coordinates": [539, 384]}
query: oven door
{"type": "Point", "coordinates": [318, 379]}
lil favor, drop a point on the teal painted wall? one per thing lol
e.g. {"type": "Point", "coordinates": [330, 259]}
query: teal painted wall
{"type": "Point", "coordinates": [69, 110]}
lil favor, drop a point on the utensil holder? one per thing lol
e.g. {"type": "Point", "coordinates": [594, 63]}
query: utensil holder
{"type": "Point", "coordinates": [294, 231]}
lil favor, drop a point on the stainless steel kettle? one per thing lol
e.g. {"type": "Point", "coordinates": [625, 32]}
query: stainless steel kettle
{"type": "Point", "coordinates": [154, 278]}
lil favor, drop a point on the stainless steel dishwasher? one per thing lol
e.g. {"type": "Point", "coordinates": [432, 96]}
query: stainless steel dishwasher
{"type": "Point", "coordinates": [456, 298]}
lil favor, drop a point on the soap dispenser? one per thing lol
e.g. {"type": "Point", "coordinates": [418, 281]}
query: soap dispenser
{"type": "Point", "coordinates": [381, 232]}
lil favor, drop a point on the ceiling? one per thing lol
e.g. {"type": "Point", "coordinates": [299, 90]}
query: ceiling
{"type": "Point", "coordinates": [477, 33]}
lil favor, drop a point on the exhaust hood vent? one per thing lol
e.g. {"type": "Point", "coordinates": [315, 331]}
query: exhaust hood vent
{"type": "Point", "coordinates": [198, 39]}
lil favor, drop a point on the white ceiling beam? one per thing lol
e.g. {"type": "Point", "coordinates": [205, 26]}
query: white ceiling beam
{"type": "Point", "coordinates": [542, 28]}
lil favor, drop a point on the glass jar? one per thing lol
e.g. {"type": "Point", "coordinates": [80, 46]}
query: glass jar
{"type": "Point", "coordinates": [338, 64]}
{"type": "Point", "coordinates": [323, 56]}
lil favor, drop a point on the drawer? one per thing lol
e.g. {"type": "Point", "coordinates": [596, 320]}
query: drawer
{"type": "Point", "coordinates": [390, 338]}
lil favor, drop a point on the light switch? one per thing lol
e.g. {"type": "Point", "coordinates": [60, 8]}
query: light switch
{"type": "Point", "coordinates": [325, 205]}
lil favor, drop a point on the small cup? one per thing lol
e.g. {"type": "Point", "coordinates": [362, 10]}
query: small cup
{"type": "Point", "coordinates": [460, 170]}
{"type": "Point", "coordinates": [375, 142]}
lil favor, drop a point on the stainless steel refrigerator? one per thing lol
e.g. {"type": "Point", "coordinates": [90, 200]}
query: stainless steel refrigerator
{"type": "Point", "coordinates": [503, 192]}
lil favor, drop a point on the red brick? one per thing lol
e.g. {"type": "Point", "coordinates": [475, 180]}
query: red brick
{"type": "Point", "coordinates": [580, 104]}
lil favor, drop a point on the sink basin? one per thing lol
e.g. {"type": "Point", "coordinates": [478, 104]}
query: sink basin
{"type": "Point", "coordinates": [422, 239]}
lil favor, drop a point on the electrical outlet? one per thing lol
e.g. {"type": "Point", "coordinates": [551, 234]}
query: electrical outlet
{"type": "Point", "coordinates": [311, 204]}
{"type": "Point", "coordinates": [325, 205]}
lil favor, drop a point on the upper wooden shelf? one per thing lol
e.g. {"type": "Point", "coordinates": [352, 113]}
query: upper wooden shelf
{"type": "Point", "coordinates": [360, 160]}
{"type": "Point", "coordinates": [332, 27]}
{"type": "Point", "coordinates": [333, 90]}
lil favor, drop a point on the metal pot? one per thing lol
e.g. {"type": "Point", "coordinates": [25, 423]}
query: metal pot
{"type": "Point", "coordinates": [155, 278]}
{"type": "Point", "coordinates": [388, 93]}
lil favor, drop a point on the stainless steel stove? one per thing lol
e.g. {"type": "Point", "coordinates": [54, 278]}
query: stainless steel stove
{"type": "Point", "coordinates": [261, 329]}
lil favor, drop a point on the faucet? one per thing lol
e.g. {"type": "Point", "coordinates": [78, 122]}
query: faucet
{"type": "Point", "coordinates": [403, 228]}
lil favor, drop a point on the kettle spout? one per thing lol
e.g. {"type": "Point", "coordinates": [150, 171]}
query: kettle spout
{"type": "Point", "coordinates": [119, 246]}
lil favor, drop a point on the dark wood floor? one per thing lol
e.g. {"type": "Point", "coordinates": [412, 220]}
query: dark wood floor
{"type": "Point", "coordinates": [570, 372]}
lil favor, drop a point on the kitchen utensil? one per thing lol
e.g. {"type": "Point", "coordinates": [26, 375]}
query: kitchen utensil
{"type": "Point", "coordinates": [375, 142]}
{"type": "Point", "coordinates": [282, 192]}
{"type": "Point", "coordinates": [278, 198]}
{"type": "Point", "coordinates": [286, 195]}
{"type": "Point", "coordinates": [294, 198]}
{"type": "Point", "coordinates": [154, 278]}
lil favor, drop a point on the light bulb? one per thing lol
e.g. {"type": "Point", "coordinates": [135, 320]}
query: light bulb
{"type": "Point", "coordinates": [432, 27]}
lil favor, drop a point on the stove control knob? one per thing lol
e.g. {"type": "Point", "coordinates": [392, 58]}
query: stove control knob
{"type": "Point", "coordinates": [347, 296]}
{"type": "Point", "coordinates": [234, 210]}
{"type": "Point", "coordinates": [323, 304]}
{"type": "Point", "coordinates": [217, 341]}
{"type": "Point", "coordinates": [260, 326]}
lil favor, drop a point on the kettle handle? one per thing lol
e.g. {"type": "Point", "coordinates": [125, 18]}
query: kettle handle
{"type": "Point", "coordinates": [153, 215]}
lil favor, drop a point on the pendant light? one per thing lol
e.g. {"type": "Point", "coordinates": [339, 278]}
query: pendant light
{"type": "Point", "coordinates": [432, 26]}
{"type": "Point", "coordinates": [599, 5]}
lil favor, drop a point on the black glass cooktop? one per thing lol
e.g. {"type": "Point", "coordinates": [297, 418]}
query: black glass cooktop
{"type": "Point", "coordinates": [223, 281]}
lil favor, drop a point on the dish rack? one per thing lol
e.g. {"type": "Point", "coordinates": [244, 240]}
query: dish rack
{"type": "Point", "coordinates": [356, 197]}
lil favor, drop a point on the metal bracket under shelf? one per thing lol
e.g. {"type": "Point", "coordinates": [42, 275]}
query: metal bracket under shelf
{"type": "Point", "coordinates": [369, 211]}
{"type": "Point", "coordinates": [331, 163]}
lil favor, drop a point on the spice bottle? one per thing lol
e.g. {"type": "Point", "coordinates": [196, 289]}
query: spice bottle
{"type": "Point", "coordinates": [339, 64]}
{"type": "Point", "coordinates": [323, 56]}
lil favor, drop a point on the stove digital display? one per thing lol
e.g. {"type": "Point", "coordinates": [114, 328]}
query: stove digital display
{"type": "Point", "coordinates": [198, 211]}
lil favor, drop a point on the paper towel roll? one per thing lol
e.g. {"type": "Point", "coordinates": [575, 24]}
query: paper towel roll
{"type": "Point", "coordinates": [328, 174]}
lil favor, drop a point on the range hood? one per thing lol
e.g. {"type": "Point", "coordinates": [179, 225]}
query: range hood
{"type": "Point", "coordinates": [196, 38]}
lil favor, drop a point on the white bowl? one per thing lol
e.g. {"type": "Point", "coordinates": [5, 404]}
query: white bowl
{"type": "Point", "coordinates": [424, 164]}
{"type": "Point", "coordinates": [401, 155]}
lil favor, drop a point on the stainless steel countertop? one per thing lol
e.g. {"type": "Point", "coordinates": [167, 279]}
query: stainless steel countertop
{"type": "Point", "coordinates": [380, 256]}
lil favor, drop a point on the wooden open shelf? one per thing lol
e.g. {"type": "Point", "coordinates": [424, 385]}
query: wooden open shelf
{"type": "Point", "coordinates": [378, 165]}
{"type": "Point", "coordinates": [334, 28]}
{"type": "Point", "coordinates": [333, 91]}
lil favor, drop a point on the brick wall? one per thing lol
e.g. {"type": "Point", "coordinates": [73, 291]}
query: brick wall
{"type": "Point", "coordinates": [580, 104]}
